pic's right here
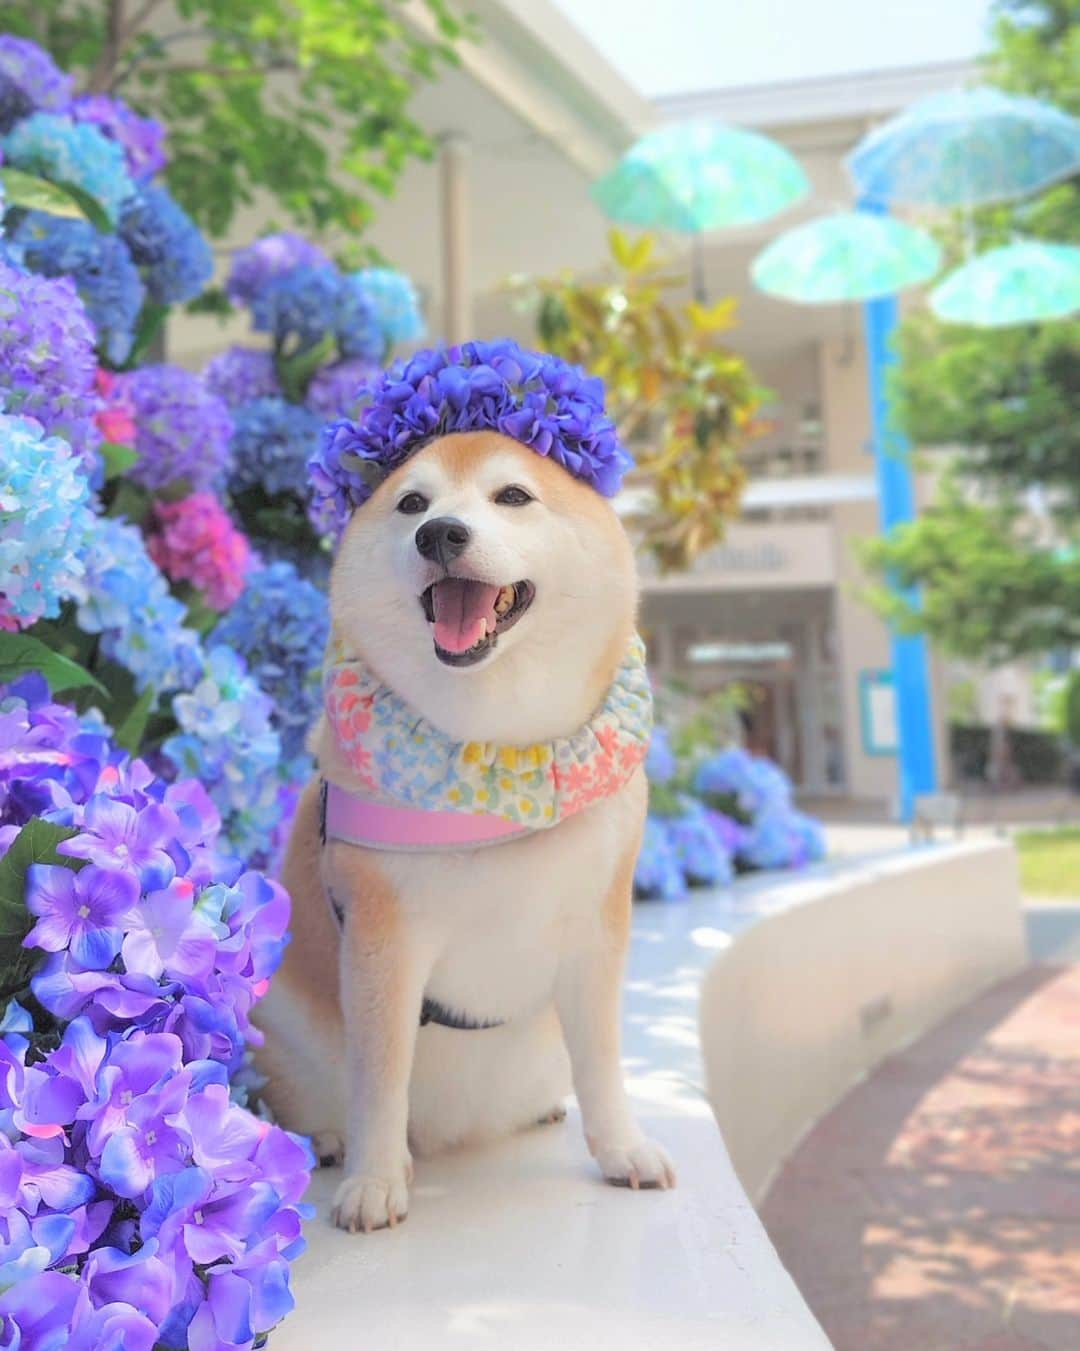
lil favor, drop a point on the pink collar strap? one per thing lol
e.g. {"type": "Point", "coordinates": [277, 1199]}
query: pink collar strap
{"type": "Point", "coordinates": [359, 820]}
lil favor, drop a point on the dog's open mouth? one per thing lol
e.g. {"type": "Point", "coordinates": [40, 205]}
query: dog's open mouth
{"type": "Point", "coordinates": [468, 615]}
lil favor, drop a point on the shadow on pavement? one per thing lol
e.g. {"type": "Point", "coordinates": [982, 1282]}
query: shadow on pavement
{"type": "Point", "coordinates": [937, 1207]}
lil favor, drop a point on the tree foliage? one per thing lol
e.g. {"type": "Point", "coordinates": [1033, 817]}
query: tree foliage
{"type": "Point", "coordinates": [306, 101]}
{"type": "Point", "coordinates": [681, 398]}
{"type": "Point", "coordinates": [1007, 403]}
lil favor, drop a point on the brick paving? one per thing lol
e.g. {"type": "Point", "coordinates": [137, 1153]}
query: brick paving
{"type": "Point", "coordinates": [937, 1207]}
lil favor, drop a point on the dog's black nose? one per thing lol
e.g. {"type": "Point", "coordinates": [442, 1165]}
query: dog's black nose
{"type": "Point", "coordinates": [442, 539]}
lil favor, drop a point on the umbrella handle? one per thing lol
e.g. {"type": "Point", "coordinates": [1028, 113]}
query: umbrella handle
{"type": "Point", "coordinates": [697, 265]}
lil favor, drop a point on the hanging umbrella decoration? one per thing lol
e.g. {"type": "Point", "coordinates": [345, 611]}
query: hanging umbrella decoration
{"type": "Point", "coordinates": [966, 148]}
{"type": "Point", "coordinates": [696, 176]}
{"type": "Point", "coordinates": [1020, 283]}
{"type": "Point", "coordinates": [973, 148]}
{"type": "Point", "coordinates": [850, 255]}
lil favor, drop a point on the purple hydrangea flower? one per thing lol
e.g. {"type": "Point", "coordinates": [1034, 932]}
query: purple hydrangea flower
{"type": "Point", "coordinates": [142, 138]}
{"type": "Point", "coordinates": [700, 853]}
{"type": "Point", "coordinates": [272, 256]}
{"type": "Point", "coordinates": [336, 391]}
{"type": "Point", "coordinates": [79, 911]}
{"type": "Point", "coordinates": [47, 362]}
{"type": "Point", "coordinates": [182, 430]}
{"type": "Point", "coordinates": [660, 763]}
{"type": "Point", "coordinates": [29, 80]}
{"type": "Point", "coordinates": [658, 873]}
{"type": "Point", "coordinates": [167, 245]}
{"type": "Point", "coordinates": [241, 374]}
{"type": "Point", "coordinates": [115, 835]}
{"type": "Point", "coordinates": [537, 399]}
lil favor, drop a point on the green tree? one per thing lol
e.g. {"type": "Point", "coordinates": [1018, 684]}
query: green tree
{"type": "Point", "coordinates": [304, 101]}
{"type": "Point", "coordinates": [994, 583]}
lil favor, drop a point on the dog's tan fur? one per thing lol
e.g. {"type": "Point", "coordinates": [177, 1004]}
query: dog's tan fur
{"type": "Point", "coordinates": [532, 932]}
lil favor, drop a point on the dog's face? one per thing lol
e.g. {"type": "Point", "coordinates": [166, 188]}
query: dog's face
{"type": "Point", "coordinates": [478, 561]}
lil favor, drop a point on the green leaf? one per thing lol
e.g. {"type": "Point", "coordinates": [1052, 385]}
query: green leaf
{"type": "Point", "coordinates": [295, 372]}
{"type": "Point", "coordinates": [118, 459]}
{"type": "Point", "coordinates": [21, 653]}
{"type": "Point", "coordinates": [35, 843]}
{"type": "Point", "coordinates": [38, 194]}
{"type": "Point", "coordinates": [89, 206]}
{"type": "Point", "coordinates": [151, 319]}
{"type": "Point", "coordinates": [129, 734]}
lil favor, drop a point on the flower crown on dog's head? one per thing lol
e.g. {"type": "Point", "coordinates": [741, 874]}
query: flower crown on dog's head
{"type": "Point", "coordinates": [543, 402]}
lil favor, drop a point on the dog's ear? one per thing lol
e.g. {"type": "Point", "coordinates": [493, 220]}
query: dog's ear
{"type": "Point", "coordinates": [369, 472]}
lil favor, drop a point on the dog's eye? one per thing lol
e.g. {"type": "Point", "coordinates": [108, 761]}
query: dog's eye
{"type": "Point", "coordinates": [513, 496]}
{"type": "Point", "coordinates": [412, 504]}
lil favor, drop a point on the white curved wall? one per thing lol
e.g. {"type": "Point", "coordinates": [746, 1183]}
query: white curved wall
{"type": "Point", "coordinates": [808, 999]}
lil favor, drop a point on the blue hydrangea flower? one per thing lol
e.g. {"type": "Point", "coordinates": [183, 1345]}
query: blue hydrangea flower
{"type": "Point", "coordinates": [533, 397]}
{"type": "Point", "coordinates": [272, 443]}
{"type": "Point", "coordinates": [701, 855]}
{"type": "Point", "coordinates": [781, 837]}
{"type": "Point", "coordinates": [658, 873]}
{"type": "Point", "coordinates": [392, 297]}
{"type": "Point", "coordinates": [44, 521]}
{"type": "Point", "coordinates": [280, 626]}
{"type": "Point", "coordinates": [753, 781]}
{"type": "Point", "coordinates": [227, 742]}
{"type": "Point", "coordinates": [660, 763]}
{"type": "Point", "coordinates": [240, 374]}
{"type": "Point", "coordinates": [29, 81]}
{"type": "Point", "coordinates": [300, 306]}
{"type": "Point", "coordinates": [47, 362]}
{"type": "Point", "coordinates": [127, 600]}
{"type": "Point", "coordinates": [357, 322]}
{"type": "Point", "coordinates": [272, 256]}
{"type": "Point", "coordinates": [182, 430]}
{"type": "Point", "coordinates": [142, 138]}
{"type": "Point", "coordinates": [101, 267]}
{"type": "Point", "coordinates": [336, 390]}
{"type": "Point", "coordinates": [66, 151]}
{"type": "Point", "coordinates": [167, 244]}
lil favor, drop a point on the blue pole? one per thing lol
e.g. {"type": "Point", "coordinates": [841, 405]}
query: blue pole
{"type": "Point", "coordinates": [896, 498]}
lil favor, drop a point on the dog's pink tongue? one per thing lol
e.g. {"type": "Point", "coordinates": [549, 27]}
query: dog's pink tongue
{"type": "Point", "coordinates": [460, 610]}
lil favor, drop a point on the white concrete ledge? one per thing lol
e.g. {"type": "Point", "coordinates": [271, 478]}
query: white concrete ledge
{"type": "Point", "coordinates": [520, 1246]}
{"type": "Point", "coordinates": [846, 969]}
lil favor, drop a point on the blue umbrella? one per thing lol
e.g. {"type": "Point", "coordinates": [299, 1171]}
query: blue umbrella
{"type": "Point", "coordinates": [966, 148]}
{"type": "Point", "coordinates": [851, 255]}
{"type": "Point", "coordinates": [1020, 283]}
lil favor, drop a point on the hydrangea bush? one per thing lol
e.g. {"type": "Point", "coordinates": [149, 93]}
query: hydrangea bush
{"type": "Point", "coordinates": [140, 1206]}
{"type": "Point", "coordinates": [713, 813]}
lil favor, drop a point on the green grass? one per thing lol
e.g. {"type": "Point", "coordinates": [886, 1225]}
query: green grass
{"type": "Point", "coordinates": [1050, 862]}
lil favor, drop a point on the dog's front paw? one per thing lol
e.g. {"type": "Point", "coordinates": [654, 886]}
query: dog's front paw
{"type": "Point", "coordinates": [366, 1203]}
{"type": "Point", "coordinates": [641, 1163]}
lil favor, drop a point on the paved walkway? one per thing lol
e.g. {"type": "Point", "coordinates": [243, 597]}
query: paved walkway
{"type": "Point", "coordinates": [937, 1207]}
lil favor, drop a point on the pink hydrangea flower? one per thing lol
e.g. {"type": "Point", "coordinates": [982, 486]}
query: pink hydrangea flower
{"type": "Point", "coordinates": [196, 542]}
{"type": "Point", "coordinates": [116, 417]}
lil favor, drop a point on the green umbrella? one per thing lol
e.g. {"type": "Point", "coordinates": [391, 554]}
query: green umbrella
{"type": "Point", "coordinates": [694, 176]}
{"type": "Point", "coordinates": [852, 255]}
{"type": "Point", "coordinates": [1018, 284]}
{"type": "Point", "coordinates": [697, 176]}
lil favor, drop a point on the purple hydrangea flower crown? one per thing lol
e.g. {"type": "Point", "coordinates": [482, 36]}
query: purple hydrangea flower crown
{"type": "Point", "coordinates": [535, 398]}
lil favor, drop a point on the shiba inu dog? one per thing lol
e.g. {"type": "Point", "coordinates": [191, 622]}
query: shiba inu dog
{"type": "Point", "coordinates": [451, 972]}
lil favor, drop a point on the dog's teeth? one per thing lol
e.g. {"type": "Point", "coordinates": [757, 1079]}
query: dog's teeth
{"type": "Point", "coordinates": [504, 600]}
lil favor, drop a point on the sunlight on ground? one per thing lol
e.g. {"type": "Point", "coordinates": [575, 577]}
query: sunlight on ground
{"type": "Point", "coordinates": [1050, 862]}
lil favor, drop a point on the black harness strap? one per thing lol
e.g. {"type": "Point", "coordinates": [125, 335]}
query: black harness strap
{"type": "Point", "coordinates": [431, 1011]}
